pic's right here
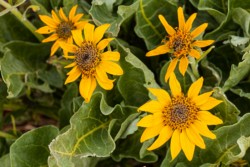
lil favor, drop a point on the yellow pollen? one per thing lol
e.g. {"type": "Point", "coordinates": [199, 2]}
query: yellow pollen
{"type": "Point", "coordinates": [180, 113]}
{"type": "Point", "coordinates": [64, 29]}
{"type": "Point", "coordinates": [180, 43]}
{"type": "Point", "coordinates": [87, 58]}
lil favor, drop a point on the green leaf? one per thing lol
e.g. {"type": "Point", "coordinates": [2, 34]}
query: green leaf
{"type": "Point", "coordinates": [5, 160]}
{"type": "Point", "coordinates": [31, 149]}
{"type": "Point", "coordinates": [44, 6]}
{"type": "Point", "coordinates": [66, 110]}
{"type": "Point", "coordinates": [89, 133]}
{"type": "Point", "coordinates": [242, 17]}
{"type": "Point", "coordinates": [101, 13]}
{"type": "Point", "coordinates": [241, 93]}
{"type": "Point", "coordinates": [148, 26]}
{"type": "Point", "coordinates": [226, 110]}
{"type": "Point", "coordinates": [237, 73]}
{"type": "Point", "coordinates": [131, 148]}
{"type": "Point", "coordinates": [23, 60]}
{"type": "Point", "coordinates": [212, 74]}
{"type": "Point", "coordinates": [136, 78]}
{"type": "Point", "coordinates": [13, 29]}
{"type": "Point", "coordinates": [222, 11]}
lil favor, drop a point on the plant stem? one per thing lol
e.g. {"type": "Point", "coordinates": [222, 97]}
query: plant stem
{"type": "Point", "coordinates": [25, 22]}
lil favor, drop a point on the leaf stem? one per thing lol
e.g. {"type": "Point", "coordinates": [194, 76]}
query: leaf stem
{"type": "Point", "coordinates": [25, 22]}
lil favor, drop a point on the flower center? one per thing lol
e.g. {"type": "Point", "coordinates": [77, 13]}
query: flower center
{"type": "Point", "coordinates": [64, 29]}
{"type": "Point", "coordinates": [180, 43]}
{"type": "Point", "coordinates": [180, 113]}
{"type": "Point", "coordinates": [87, 58]}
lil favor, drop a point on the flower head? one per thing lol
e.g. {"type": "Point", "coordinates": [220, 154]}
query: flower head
{"type": "Point", "coordinates": [90, 60]}
{"type": "Point", "coordinates": [60, 27]}
{"type": "Point", "coordinates": [180, 42]}
{"type": "Point", "coordinates": [179, 117]}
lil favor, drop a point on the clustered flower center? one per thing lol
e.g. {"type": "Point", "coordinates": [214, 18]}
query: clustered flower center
{"type": "Point", "coordinates": [87, 58]}
{"type": "Point", "coordinates": [64, 29]}
{"type": "Point", "coordinates": [180, 113]}
{"type": "Point", "coordinates": [180, 43]}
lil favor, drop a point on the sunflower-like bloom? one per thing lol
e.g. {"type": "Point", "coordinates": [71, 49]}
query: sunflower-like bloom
{"type": "Point", "coordinates": [90, 60]}
{"type": "Point", "coordinates": [180, 42]}
{"type": "Point", "coordinates": [60, 27]}
{"type": "Point", "coordinates": [182, 118]}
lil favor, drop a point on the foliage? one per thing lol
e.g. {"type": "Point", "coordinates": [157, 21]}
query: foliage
{"type": "Point", "coordinates": [46, 123]}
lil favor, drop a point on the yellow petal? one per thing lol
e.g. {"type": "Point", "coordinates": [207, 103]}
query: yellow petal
{"type": "Point", "coordinates": [99, 32]}
{"type": "Point", "coordinates": [151, 132]}
{"type": "Point", "coordinates": [73, 70]}
{"type": "Point", "coordinates": [62, 15]}
{"type": "Point", "coordinates": [69, 57]}
{"type": "Point", "coordinates": [158, 51]}
{"type": "Point", "coordinates": [151, 120]}
{"type": "Point", "coordinates": [104, 43]}
{"type": "Point", "coordinates": [69, 47]}
{"type": "Point", "coordinates": [199, 30]}
{"type": "Point", "coordinates": [187, 146]}
{"type": "Point", "coordinates": [170, 30]}
{"type": "Point", "coordinates": [103, 80]}
{"type": "Point", "coordinates": [174, 85]}
{"type": "Point", "coordinates": [80, 25]}
{"type": "Point", "coordinates": [73, 76]}
{"type": "Point", "coordinates": [71, 65]}
{"type": "Point", "coordinates": [201, 128]}
{"type": "Point", "coordinates": [151, 106]}
{"type": "Point", "coordinates": [77, 35]}
{"type": "Point", "coordinates": [162, 96]}
{"type": "Point", "coordinates": [89, 32]}
{"type": "Point", "coordinates": [87, 87]}
{"type": "Point", "coordinates": [181, 19]}
{"type": "Point", "coordinates": [76, 18]}
{"type": "Point", "coordinates": [210, 103]}
{"type": "Point", "coordinates": [183, 65]}
{"type": "Point", "coordinates": [171, 68]}
{"type": "Point", "coordinates": [195, 88]}
{"type": "Point", "coordinates": [175, 145]}
{"type": "Point", "coordinates": [53, 37]}
{"type": "Point", "coordinates": [102, 75]}
{"type": "Point", "coordinates": [189, 22]}
{"type": "Point", "coordinates": [49, 21]}
{"type": "Point", "coordinates": [55, 17]}
{"type": "Point", "coordinates": [201, 99]}
{"type": "Point", "coordinates": [164, 136]}
{"type": "Point", "coordinates": [195, 138]}
{"type": "Point", "coordinates": [209, 118]}
{"type": "Point", "coordinates": [203, 43]}
{"type": "Point", "coordinates": [72, 12]}
{"type": "Point", "coordinates": [111, 67]}
{"type": "Point", "coordinates": [54, 48]}
{"type": "Point", "coordinates": [194, 53]}
{"type": "Point", "coordinates": [109, 55]}
{"type": "Point", "coordinates": [45, 30]}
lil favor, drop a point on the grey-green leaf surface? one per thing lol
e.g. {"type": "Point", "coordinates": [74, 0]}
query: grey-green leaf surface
{"type": "Point", "coordinates": [31, 149]}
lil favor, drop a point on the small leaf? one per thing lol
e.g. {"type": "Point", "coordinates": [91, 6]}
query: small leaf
{"type": "Point", "coordinates": [101, 12]}
{"type": "Point", "coordinates": [31, 149]}
{"type": "Point", "coordinates": [242, 17]}
{"type": "Point", "coordinates": [237, 73]}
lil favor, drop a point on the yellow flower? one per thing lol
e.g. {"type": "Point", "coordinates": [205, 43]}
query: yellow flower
{"type": "Point", "coordinates": [180, 42]}
{"type": "Point", "coordinates": [90, 60]}
{"type": "Point", "coordinates": [184, 118]}
{"type": "Point", "coordinates": [60, 27]}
